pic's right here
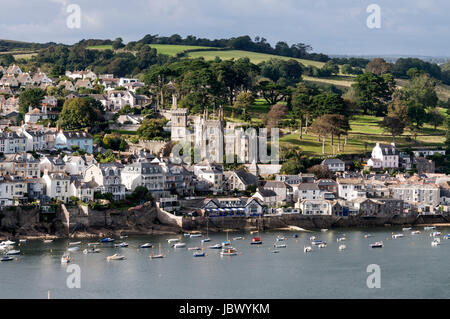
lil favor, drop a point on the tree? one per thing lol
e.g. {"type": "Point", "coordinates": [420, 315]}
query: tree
{"type": "Point", "coordinates": [320, 171]}
{"type": "Point", "coordinates": [30, 97]}
{"type": "Point", "coordinates": [378, 66]}
{"type": "Point", "coordinates": [435, 117]}
{"type": "Point", "coordinates": [243, 102]}
{"type": "Point", "coordinates": [77, 113]}
{"type": "Point", "coordinates": [152, 129]}
{"type": "Point", "coordinates": [277, 112]}
{"type": "Point", "coordinates": [272, 92]}
{"type": "Point", "coordinates": [117, 44]}
{"type": "Point", "coordinates": [292, 166]}
{"type": "Point", "coordinates": [393, 125]}
{"type": "Point", "coordinates": [373, 92]}
{"type": "Point", "coordinates": [330, 68]}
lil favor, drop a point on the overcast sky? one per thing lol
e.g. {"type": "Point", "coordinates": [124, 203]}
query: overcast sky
{"type": "Point", "coordinates": [409, 27]}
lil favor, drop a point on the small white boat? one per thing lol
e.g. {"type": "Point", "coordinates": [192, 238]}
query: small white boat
{"type": "Point", "coordinates": [238, 238]}
{"type": "Point", "coordinates": [115, 257]}
{"type": "Point", "coordinates": [48, 241]}
{"type": "Point", "coordinates": [322, 245]}
{"type": "Point", "coordinates": [195, 248]}
{"type": "Point", "coordinates": [312, 238]}
{"type": "Point", "coordinates": [429, 228]}
{"type": "Point", "coordinates": [341, 239]}
{"type": "Point", "coordinates": [146, 245]}
{"type": "Point", "coordinates": [406, 228]}
{"type": "Point", "coordinates": [216, 246]}
{"type": "Point", "coordinates": [436, 242]}
{"type": "Point", "coordinates": [307, 249]}
{"type": "Point", "coordinates": [12, 252]}
{"type": "Point", "coordinates": [6, 258]}
{"type": "Point", "coordinates": [195, 235]}
{"type": "Point", "coordinates": [76, 248]}
{"type": "Point", "coordinates": [280, 245]}
{"type": "Point", "coordinates": [91, 251]}
{"type": "Point", "coordinates": [435, 234]}
{"type": "Point", "coordinates": [158, 256]}
{"type": "Point", "coordinates": [186, 234]}
{"type": "Point", "coordinates": [396, 236]}
{"type": "Point", "coordinates": [324, 230]}
{"type": "Point", "coordinates": [206, 240]}
{"type": "Point", "coordinates": [173, 240]}
{"type": "Point", "coordinates": [281, 238]}
{"type": "Point", "coordinates": [416, 232]}
{"type": "Point", "coordinates": [8, 243]}
{"type": "Point", "coordinates": [65, 259]}
{"type": "Point", "coordinates": [275, 251]}
{"type": "Point", "coordinates": [123, 236]}
{"type": "Point", "coordinates": [121, 245]}
{"type": "Point", "coordinates": [378, 244]}
{"type": "Point", "coordinates": [179, 245]}
{"type": "Point", "coordinates": [22, 240]}
{"type": "Point", "coordinates": [230, 251]}
{"type": "Point", "coordinates": [342, 247]}
{"type": "Point", "coordinates": [75, 243]}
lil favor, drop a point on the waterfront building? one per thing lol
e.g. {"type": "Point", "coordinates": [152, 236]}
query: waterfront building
{"type": "Point", "coordinates": [107, 177]}
{"type": "Point", "coordinates": [240, 180]}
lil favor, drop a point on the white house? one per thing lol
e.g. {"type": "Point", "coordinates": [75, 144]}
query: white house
{"type": "Point", "coordinates": [350, 188]}
{"type": "Point", "coordinates": [144, 174]}
{"type": "Point", "coordinates": [57, 186]}
{"type": "Point", "coordinates": [107, 176]}
{"type": "Point", "coordinates": [384, 156]}
{"type": "Point", "coordinates": [334, 164]}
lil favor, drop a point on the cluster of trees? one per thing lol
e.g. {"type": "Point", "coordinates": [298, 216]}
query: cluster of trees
{"type": "Point", "coordinates": [80, 112]}
{"type": "Point", "coordinates": [259, 44]}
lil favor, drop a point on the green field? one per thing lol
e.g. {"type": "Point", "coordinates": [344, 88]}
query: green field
{"type": "Point", "coordinates": [365, 133]}
{"type": "Point", "coordinates": [167, 49]}
{"type": "Point", "coordinates": [253, 56]}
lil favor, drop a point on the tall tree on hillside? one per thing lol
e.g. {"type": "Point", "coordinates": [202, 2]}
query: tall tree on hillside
{"type": "Point", "coordinates": [30, 97]}
{"type": "Point", "coordinates": [272, 92]}
{"type": "Point", "coordinates": [393, 125]}
{"type": "Point", "coordinates": [435, 117]}
{"type": "Point", "coordinates": [158, 77]}
{"type": "Point", "coordinates": [373, 92]}
{"type": "Point", "coordinates": [378, 66]}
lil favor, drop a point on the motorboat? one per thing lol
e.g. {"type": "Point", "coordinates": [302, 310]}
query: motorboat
{"type": "Point", "coordinates": [75, 248]}
{"type": "Point", "coordinates": [195, 235]}
{"type": "Point", "coordinates": [312, 238]}
{"type": "Point", "coordinates": [378, 244]}
{"type": "Point", "coordinates": [8, 243]}
{"type": "Point", "coordinates": [429, 228]}
{"type": "Point", "coordinates": [157, 256]}
{"type": "Point", "coordinates": [435, 234]}
{"type": "Point", "coordinates": [216, 246]}
{"type": "Point", "coordinates": [256, 241]}
{"type": "Point", "coordinates": [91, 251]}
{"type": "Point", "coordinates": [65, 259]}
{"type": "Point", "coordinates": [173, 240]}
{"type": "Point", "coordinates": [342, 247]}
{"type": "Point", "coordinates": [226, 243]}
{"type": "Point", "coordinates": [230, 251]}
{"type": "Point", "coordinates": [199, 254]}
{"type": "Point", "coordinates": [115, 257]}
{"type": "Point", "coordinates": [279, 245]}
{"type": "Point", "coordinates": [123, 236]}
{"type": "Point", "coordinates": [416, 232]}
{"type": "Point", "coordinates": [179, 245]}
{"type": "Point", "coordinates": [307, 249]}
{"type": "Point", "coordinates": [146, 245]}
{"type": "Point", "coordinates": [206, 240]}
{"type": "Point", "coordinates": [186, 234]}
{"type": "Point", "coordinates": [295, 236]}
{"type": "Point", "coordinates": [48, 241]}
{"type": "Point", "coordinates": [195, 248]}
{"type": "Point", "coordinates": [22, 240]}
{"type": "Point", "coordinates": [12, 252]}
{"type": "Point", "coordinates": [75, 243]}
{"type": "Point", "coordinates": [318, 242]}
{"type": "Point", "coordinates": [396, 236]}
{"type": "Point", "coordinates": [275, 251]}
{"type": "Point", "coordinates": [281, 238]}
{"type": "Point", "coordinates": [322, 245]}
{"type": "Point", "coordinates": [447, 236]}
{"type": "Point", "coordinates": [406, 228]}
{"type": "Point", "coordinates": [436, 242]}
{"type": "Point", "coordinates": [121, 245]}
{"type": "Point", "coordinates": [6, 258]}
{"type": "Point", "coordinates": [106, 240]}
{"type": "Point", "coordinates": [341, 239]}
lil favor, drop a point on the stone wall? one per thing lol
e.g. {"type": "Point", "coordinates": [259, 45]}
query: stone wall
{"type": "Point", "coordinates": [154, 147]}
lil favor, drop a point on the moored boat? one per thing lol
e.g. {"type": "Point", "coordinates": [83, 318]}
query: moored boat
{"type": "Point", "coordinates": [206, 240]}
{"type": "Point", "coordinates": [12, 252]}
{"type": "Point", "coordinates": [48, 241]}
{"type": "Point", "coordinates": [65, 259]}
{"type": "Point", "coordinates": [367, 235]}
{"type": "Point", "coordinates": [230, 251]}
{"type": "Point", "coordinates": [322, 245]}
{"type": "Point", "coordinates": [75, 243]}
{"type": "Point", "coordinates": [91, 251]}
{"type": "Point", "coordinates": [195, 235]}
{"type": "Point", "coordinates": [318, 242]}
{"type": "Point", "coordinates": [146, 245]}
{"type": "Point", "coordinates": [238, 238]}
{"type": "Point", "coordinates": [115, 257]}
{"type": "Point", "coordinates": [75, 248]}
{"type": "Point", "coordinates": [406, 228]}
{"type": "Point", "coordinates": [307, 249]}
{"type": "Point", "coordinates": [416, 232]}
{"type": "Point", "coordinates": [342, 247]}
{"type": "Point", "coordinates": [157, 256]}
{"type": "Point", "coordinates": [429, 228]}
{"type": "Point", "coordinates": [396, 236]}
{"type": "Point", "coordinates": [341, 239]}
{"type": "Point", "coordinates": [106, 240]}
{"type": "Point", "coordinates": [378, 244]}
{"type": "Point", "coordinates": [256, 241]}
{"type": "Point", "coordinates": [279, 245]}
{"type": "Point", "coordinates": [436, 242]}
{"type": "Point", "coordinates": [435, 234]}
{"type": "Point", "coordinates": [6, 258]}
{"type": "Point", "coordinates": [121, 245]}
{"type": "Point", "coordinates": [195, 248]}
{"type": "Point", "coordinates": [199, 254]}
{"type": "Point", "coordinates": [173, 240]}
{"type": "Point", "coordinates": [216, 246]}
{"type": "Point", "coordinates": [179, 245]}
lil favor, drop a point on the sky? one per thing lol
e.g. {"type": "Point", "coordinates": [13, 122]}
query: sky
{"type": "Point", "coordinates": [407, 27]}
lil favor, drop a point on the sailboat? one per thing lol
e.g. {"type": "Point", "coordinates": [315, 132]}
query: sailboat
{"type": "Point", "coordinates": [159, 255]}
{"type": "Point", "coordinates": [200, 253]}
{"type": "Point", "coordinates": [206, 239]}
{"type": "Point", "coordinates": [227, 242]}
{"type": "Point", "coordinates": [256, 240]}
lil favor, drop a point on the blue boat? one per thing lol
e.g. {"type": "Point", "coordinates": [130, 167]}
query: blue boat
{"type": "Point", "coordinates": [226, 243]}
{"type": "Point", "coordinates": [447, 236]}
{"type": "Point", "coordinates": [106, 240]}
{"type": "Point", "coordinates": [295, 236]}
{"type": "Point", "coordinates": [206, 240]}
{"type": "Point", "coordinates": [199, 254]}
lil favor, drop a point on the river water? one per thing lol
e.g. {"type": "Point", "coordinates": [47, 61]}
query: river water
{"type": "Point", "coordinates": [409, 268]}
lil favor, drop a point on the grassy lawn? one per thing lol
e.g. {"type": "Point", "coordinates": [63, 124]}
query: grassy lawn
{"type": "Point", "coordinates": [253, 56]}
{"type": "Point", "coordinates": [169, 49]}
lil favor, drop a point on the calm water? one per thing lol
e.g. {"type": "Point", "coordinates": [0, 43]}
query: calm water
{"type": "Point", "coordinates": [410, 268]}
